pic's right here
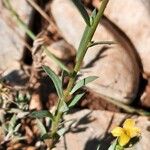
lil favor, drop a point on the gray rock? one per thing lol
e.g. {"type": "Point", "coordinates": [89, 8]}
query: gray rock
{"type": "Point", "coordinates": [11, 48]}
{"type": "Point", "coordinates": [116, 65]}
{"type": "Point", "coordinates": [11, 45]}
{"type": "Point", "coordinates": [133, 18]}
{"type": "Point", "coordinates": [93, 128]}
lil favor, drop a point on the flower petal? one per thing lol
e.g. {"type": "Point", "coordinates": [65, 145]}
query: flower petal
{"type": "Point", "coordinates": [129, 123]}
{"type": "Point", "coordinates": [123, 139]}
{"type": "Point", "coordinates": [117, 131]}
{"type": "Point", "coordinates": [133, 132]}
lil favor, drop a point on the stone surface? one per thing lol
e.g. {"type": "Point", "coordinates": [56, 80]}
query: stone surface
{"type": "Point", "coordinates": [133, 18]}
{"type": "Point", "coordinates": [116, 65]}
{"type": "Point", "coordinates": [93, 128]}
{"type": "Point", "coordinates": [11, 45]}
{"type": "Point", "coordinates": [145, 98]}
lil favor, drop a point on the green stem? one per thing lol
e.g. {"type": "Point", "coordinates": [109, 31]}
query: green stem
{"type": "Point", "coordinates": [101, 43]}
{"type": "Point", "coordinates": [18, 20]}
{"type": "Point", "coordinates": [84, 45]}
{"type": "Point", "coordinates": [86, 39]}
{"type": "Point", "coordinates": [88, 35]}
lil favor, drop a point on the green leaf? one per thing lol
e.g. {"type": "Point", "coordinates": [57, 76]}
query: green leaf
{"type": "Point", "coordinates": [101, 43]}
{"type": "Point", "coordinates": [118, 147]}
{"type": "Point", "coordinates": [93, 15]}
{"type": "Point", "coordinates": [57, 82]}
{"type": "Point", "coordinates": [62, 131]}
{"type": "Point", "coordinates": [46, 136]}
{"type": "Point", "coordinates": [82, 83]}
{"type": "Point", "coordinates": [82, 10]}
{"type": "Point", "coordinates": [63, 75]}
{"type": "Point", "coordinates": [98, 148]}
{"type": "Point", "coordinates": [41, 127]}
{"type": "Point", "coordinates": [64, 107]}
{"type": "Point", "coordinates": [41, 114]}
{"type": "Point", "coordinates": [83, 43]}
{"type": "Point", "coordinates": [12, 123]}
{"type": "Point", "coordinates": [55, 59]}
{"type": "Point", "coordinates": [113, 145]}
{"type": "Point", "coordinates": [75, 99]}
{"type": "Point", "coordinates": [17, 127]}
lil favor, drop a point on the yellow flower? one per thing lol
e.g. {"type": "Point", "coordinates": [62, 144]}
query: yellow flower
{"type": "Point", "coordinates": [127, 132]}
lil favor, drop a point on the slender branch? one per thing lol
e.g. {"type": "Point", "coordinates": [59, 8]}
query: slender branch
{"type": "Point", "coordinates": [88, 35]}
{"type": "Point", "coordinates": [101, 43]}
{"type": "Point", "coordinates": [20, 22]}
{"type": "Point", "coordinates": [127, 108]}
{"type": "Point", "coordinates": [38, 9]}
{"type": "Point", "coordinates": [83, 46]}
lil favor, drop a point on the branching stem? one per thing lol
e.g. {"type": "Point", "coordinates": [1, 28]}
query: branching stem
{"type": "Point", "coordinates": [83, 47]}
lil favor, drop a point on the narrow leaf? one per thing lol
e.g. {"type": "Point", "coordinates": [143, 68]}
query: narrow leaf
{"type": "Point", "coordinates": [113, 145]}
{"type": "Point", "coordinates": [41, 127]}
{"type": "Point", "coordinates": [82, 83]}
{"type": "Point", "coordinates": [12, 123]}
{"type": "Point", "coordinates": [64, 108]}
{"type": "Point", "coordinates": [82, 44]}
{"type": "Point", "coordinates": [17, 127]}
{"type": "Point", "coordinates": [82, 10]}
{"type": "Point", "coordinates": [57, 82]}
{"type": "Point", "coordinates": [62, 131]}
{"type": "Point", "coordinates": [41, 114]}
{"type": "Point", "coordinates": [55, 59]}
{"type": "Point", "coordinates": [46, 136]}
{"type": "Point", "coordinates": [98, 148]}
{"type": "Point", "coordinates": [102, 43]}
{"type": "Point", "coordinates": [93, 15]}
{"type": "Point", "coordinates": [75, 100]}
{"type": "Point", "coordinates": [63, 75]}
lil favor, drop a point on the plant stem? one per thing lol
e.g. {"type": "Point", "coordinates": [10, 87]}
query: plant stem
{"type": "Point", "coordinates": [84, 45]}
{"type": "Point", "coordinates": [39, 9]}
{"type": "Point", "coordinates": [18, 20]}
{"type": "Point", "coordinates": [125, 107]}
{"type": "Point", "coordinates": [86, 39]}
{"type": "Point", "coordinates": [88, 35]}
{"type": "Point", "coordinates": [102, 42]}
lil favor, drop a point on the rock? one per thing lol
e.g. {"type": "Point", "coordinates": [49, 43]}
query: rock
{"type": "Point", "coordinates": [31, 148]}
{"type": "Point", "coordinates": [11, 45]}
{"type": "Point", "coordinates": [145, 98]}
{"type": "Point", "coordinates": [10, 49]}
{"type": "Point", "coordinates": [133, 18]}
{"type": "Point", "coordinates": [92, 129]}
{"type": "Point", "coordinates": [35, 102]}
{"type": "Point", "coordinates": [115, 65]}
